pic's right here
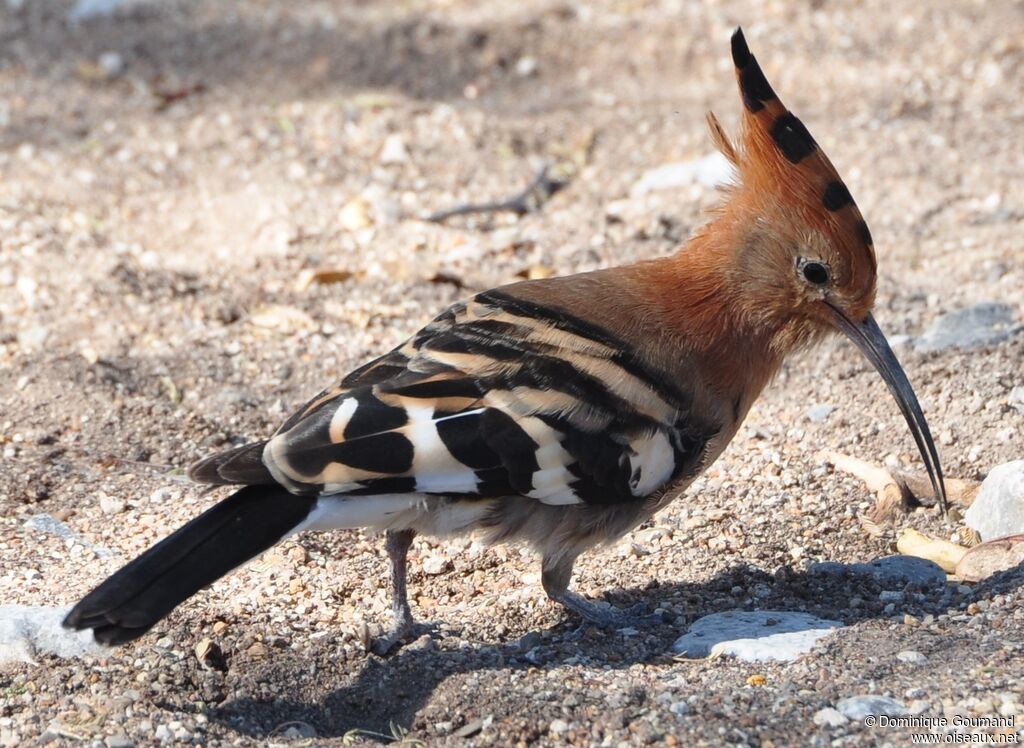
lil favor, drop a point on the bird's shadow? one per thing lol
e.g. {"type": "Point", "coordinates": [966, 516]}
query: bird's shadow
{"type": "Point", "coordinates": [385, 697]}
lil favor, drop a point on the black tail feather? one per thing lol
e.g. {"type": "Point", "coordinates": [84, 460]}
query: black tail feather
{"type": "Point", "coordinates": [134, 599]}
{"type": "Point", "coordinates": [239, 466]}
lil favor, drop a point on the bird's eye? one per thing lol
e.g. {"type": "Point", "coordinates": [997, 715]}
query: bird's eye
{"type": "Point", "coordinates": [815, 273]}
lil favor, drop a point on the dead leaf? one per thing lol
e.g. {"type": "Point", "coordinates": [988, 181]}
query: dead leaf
{"type": "Point", "coordinates": [536, 272]}
{"type": "Point", "coordinates": [967, 536]}
{"type": "Point", "coordinates": [870, 526]}
{"type": "Point", "coordinates": [173, 393]}
{"type": "Point", "coordinates": [209, 654]}
{"type": "Point", "coordinates": [371, 100]}
{"type": "Point", "coordinates": [442, 276]}
{"type": "Point", "coordinates": [958, 490]}
{"type": "Point", "coordinates": [324, 276]}
{"type": "Point", "coordinates": [575, 155]}
{"type": "Point", "coordinates": [281, 318]}
{"type": "Point", "coordinates": [169, 96]}
{"type": "Point", "coordinates": [92, 72]}
{"type": "Point", "coordinates": [942, 552]}
{"type": "Point", "coordinates": [890, 504]}
{"type": "Point", "coordinates": [982, 561]}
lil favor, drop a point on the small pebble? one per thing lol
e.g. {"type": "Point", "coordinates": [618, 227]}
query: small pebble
{"type": "Point", "coordinates": [559, 727]}
{"type": "Point", "coordinates": [829, 717]}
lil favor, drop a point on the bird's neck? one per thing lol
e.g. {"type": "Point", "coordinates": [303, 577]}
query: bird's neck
{"type": "Point", "coordinates": [700, 304]}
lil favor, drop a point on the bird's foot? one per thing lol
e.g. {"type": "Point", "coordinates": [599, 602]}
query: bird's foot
{"type": "Point", "coordinates": [401, 630]}
{"type": "Point", "coordinates": [404, 630]}
{"type": "Point", "coordinates": [608, 616]}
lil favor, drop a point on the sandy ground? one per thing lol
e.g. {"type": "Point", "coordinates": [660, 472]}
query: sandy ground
{"type": "Point", "coordinates": [159, 206]}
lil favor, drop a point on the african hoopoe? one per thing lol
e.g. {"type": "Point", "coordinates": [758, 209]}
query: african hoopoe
{"type": "Point", "coordinates": [559, 412]}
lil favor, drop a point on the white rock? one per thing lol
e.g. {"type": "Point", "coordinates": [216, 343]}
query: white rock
{"type": "Point", "coordinates": [52, 526]}
{"type": "Point", "coordinates": [999, 508]}
{"type": "Point", "coordinates": [526, 66]}
{"type": "Point", "coordinates": [434, 565]}
{"type": "Point", "coordinates": [856, 708]}
{"type": "Point", "coordinates": [30, 630]}
{"type": "Point", "coordinates": [559, 726]}
{"type": "Point", "coordinates": [754, 635]}
{"type": "Point", "coordinates": [111, 504]}
{"type": "Point", "coordinates": [829, 717]}
{"type": "Point", "coordinates": [680, 708]}
{"type": "Point", "coordinates": [394, 150]}
{"type": "Point", "coordinates": [708, 171]}
{"type": "Point", "coordinates": [818, 413]}
{"type": "Point", "coordinates": [33, 338]}
{"type": "Point", "coordinates": [299, 730]}
{"type": "Point", "coordinates": [111, 63]}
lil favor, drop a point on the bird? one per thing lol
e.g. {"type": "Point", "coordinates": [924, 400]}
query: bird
{"type": "Point", "coordinates": [559, 412]}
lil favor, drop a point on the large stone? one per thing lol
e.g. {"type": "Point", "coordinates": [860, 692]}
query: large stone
{"type": "Point", "coordinates": [998, 509]}
{"type": "Point", "coordinates": [856, 708]}
{"type": "Point", "coordinates": [982, 324]}
{"type": "Point", "coordinates": [707, 171]}
{"type": "Point", "coordinates": [50, 525]}
{"type": "Point", "coordinates": [30, 630]}
{"type": "Point", "coordinates": [755, 635]}
{"type": "Point", "coordinates": [891, 570]}
{"type": "Point", "coordinates": [829, 717]}
{"type": "Point", "coordinates": [87, 10]}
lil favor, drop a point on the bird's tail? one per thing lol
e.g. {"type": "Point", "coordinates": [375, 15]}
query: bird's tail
{"type": "Point", "coordinates": [134, 599]}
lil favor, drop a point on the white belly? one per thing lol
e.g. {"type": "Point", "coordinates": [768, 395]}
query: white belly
{"type": "Point", "coordinates": [427, 515]}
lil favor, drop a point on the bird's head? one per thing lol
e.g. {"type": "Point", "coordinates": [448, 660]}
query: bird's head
{"type": "Point", "coordinates": [798, 256]}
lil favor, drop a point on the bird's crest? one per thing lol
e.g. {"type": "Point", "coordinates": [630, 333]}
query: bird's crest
{"type": "Point", "coordinates": [779, 161]}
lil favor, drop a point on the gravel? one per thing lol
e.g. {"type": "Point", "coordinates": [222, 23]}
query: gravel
{"type": "Point", "coordinates": [159, 228]}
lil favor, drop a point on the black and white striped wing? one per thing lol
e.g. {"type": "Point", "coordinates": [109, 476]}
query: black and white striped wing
{"type": "Point", "coordinates": [496, 397]}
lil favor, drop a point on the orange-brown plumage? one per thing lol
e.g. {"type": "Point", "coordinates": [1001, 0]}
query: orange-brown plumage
{"type": "Point", "coordinates": [737, 278]}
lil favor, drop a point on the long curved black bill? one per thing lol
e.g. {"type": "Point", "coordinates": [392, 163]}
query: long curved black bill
{"type": "Point", "coordinates": [868, 337]}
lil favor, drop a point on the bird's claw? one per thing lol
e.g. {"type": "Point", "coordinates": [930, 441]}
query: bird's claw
{"type": "Point", "coordinates": [401, 630]}
{"type": "Point", "coordinates": [607, 616]}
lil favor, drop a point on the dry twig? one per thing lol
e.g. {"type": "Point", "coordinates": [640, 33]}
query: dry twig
{"type": "Point", "coordinates": [530, 200]}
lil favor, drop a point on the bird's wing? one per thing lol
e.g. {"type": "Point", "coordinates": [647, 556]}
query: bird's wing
{"type": "Point", "coordinates": [496, 397]}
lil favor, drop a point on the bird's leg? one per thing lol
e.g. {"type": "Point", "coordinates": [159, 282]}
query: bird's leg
{"type": "Point", "coordinates": [555, 575]}
{"type": "Point", "coordinates": [397, 544]}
